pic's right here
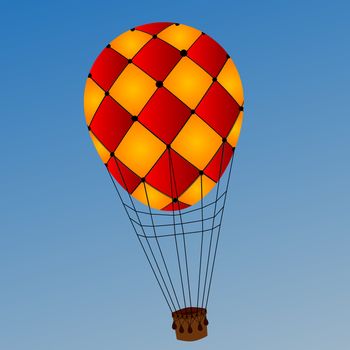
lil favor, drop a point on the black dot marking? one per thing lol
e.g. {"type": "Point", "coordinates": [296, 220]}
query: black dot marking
{"type": "Point", "coordinates": [89, 127]}
{"type": "Point", "coordinates": [183, 53]}
{"type": "Point", "coordinates": [132, 29]}
{"type": "Point", "coordinates": [177, 24]}
{"type": "Point", "coordinates": [175, 200]}
{"type": "Point", "coordinates": [143, 179]}
{"type": "Point", "coordinates": [159, 84]}
{"type": "Point", "coordinates": [214, 79]}
{"type": "Point", "coordinates": [201, 172]}
{"type": "Point", "coordinates": [154, 36]}
{"type": "Point", "coordinates": [224, 139]}
{"type": "Point", "coordinates": [129, 60]}
{"type": "Point", "coordinates": [112, 154]}
{"type": "Point", "coordinates": [203, 33]}
{"type": "Point", "coordinates": [241, 108]}
{"type": "Point", "coordinates": [106, 93]}
{"type": "Point", "coordinates": [89, 76]}
{"type": "Point", "coordinates": [108, 46]}
{"type": "Point", "coordinates": [134, 118]}
{"type": "Point", "coordinates": [193, 111]}
{"type": "Point", "coordinates": [168, 146]}
{"type": "Point", "coordinates": [227, 56]}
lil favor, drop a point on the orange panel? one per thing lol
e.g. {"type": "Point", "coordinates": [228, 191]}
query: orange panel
{"type": "Point", "coordinates": [193, 194]}
{"type": "Point", "coordinates": [197, 142]}
{"type": "Point", "coordinates": [188, 81]}
{"type": "Point", "coordinates": [130, 43]}
{"type": "Point", "coordinates": [181, 36]}
{"type": "Point", "coordinates": [101, 150]}
{"type": "Point", "coordinates": [133, 89]}
{"type": "Point", "coordinates": [156, 199]}
{"type": "Point", "coordinates": [140, 149]}
{"type": "Point", "coordinates": [233, 136]}
{"type": "Point", "coordinates": [230, 80]}
{"type": "Point", "coordinates": [93, 96]}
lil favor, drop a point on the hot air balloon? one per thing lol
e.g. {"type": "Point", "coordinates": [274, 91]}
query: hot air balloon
{"type": "Point", "coordinates": [164, 108]}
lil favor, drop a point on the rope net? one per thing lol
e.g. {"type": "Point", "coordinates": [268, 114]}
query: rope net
{"type": "Point", "coordinates": [181, 245]}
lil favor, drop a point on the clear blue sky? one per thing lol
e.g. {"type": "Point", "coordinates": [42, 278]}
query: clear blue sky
{"type": "Point", "coordinates": [72, 275]}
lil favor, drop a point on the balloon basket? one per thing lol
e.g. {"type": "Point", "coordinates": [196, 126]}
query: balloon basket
{"type": "Point", "coordinates": [190, 323]}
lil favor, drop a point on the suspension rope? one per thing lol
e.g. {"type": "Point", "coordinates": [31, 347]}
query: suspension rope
{"type": "Point", "coordinates": [213, 223]}
{"type": "Point", "coordinates": [175, 214]}
{"type": "Point", "coordinates": [180, 234]}
{"type": "Point", "coordinates": [219, 230]}
{"type": "Point", "coordinates": [160, 249]}
{"type": "Point", "coordinates": [183, 238]}
{"type": "Point", "coordinates": [172, 177]}
{"type": "Point", "coordinates": [187, 222]}
{"type": "Point", "coordinates": [173, 220]}
{"type": "Point", "coordinates": [143, 248]}
{"type": "Point", "coordinates": [202, 236]}
{"type": "Point", "coordinates": [148, 244]}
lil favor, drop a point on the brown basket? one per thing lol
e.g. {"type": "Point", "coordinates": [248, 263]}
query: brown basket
{"type": "Point", "coordinates": [190, 323]}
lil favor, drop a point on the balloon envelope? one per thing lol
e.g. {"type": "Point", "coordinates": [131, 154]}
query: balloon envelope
{"type": "Point", "coordinates": [164, 107]}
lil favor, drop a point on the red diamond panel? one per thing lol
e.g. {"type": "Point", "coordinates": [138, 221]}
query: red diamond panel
{"type": "Point", "coordinates": [107, 67]}
{"type": "Point", "coordinates": [218, 164]}
{"type": "Point", "coordinates": [110, 123]}
{"type": "Point", "coordinates": [164, 115]}
{"type": "Point", "coordinates": [123, 174]}
{"type": "Point", "coordinates": [176, 206]}
{"type": "Point", "coordinates": [157, 58]}
{"type": "Point", "coordinates": [218, 109]}
{"type": "Point", "coordinates": [182, 173]}
{"type": "Point", "coordinates": [208, 54]}
{"type": "Point", "coordinates": [154, 28]}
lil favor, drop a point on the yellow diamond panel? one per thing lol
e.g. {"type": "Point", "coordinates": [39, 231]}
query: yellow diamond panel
{"type": "Point", "coordinates": [197, 142]}
{"type": "Point", "coordinates": [130, 43]}
{"type": "Point", "coordinates": [233, 136]}
{"type": "Point", "coordinates": [139, 149]}
{"type": "Point", "coordinates": [188, 82]}
{"type": "Point", "coordinates": [93, 96]}
{"type": "Point", "coordinates": [230, 80]}
{"type": "Point", "coordinates": [101, 150]}
{"type": "Point", "coordinates": [156, 199]}
{"type": "Point", "coordinates": [193, 194]}
{"type": "Point", "coordinates": [182, 37]}
{"type": "Point", "coordinates": [133, 89]}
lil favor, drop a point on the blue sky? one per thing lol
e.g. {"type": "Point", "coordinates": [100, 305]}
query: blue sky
{"type": "Point", "coordinates": [72, 274]}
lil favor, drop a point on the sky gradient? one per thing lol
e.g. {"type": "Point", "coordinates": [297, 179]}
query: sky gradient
{"type": "Point", "coordinates": [72, 274]}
